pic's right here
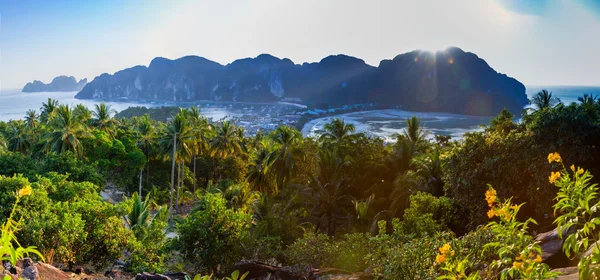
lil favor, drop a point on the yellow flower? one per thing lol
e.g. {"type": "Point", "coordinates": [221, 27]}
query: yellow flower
{"type": "Point", "coordinates": [440, 258]}
{"type": "Point", "coordinates": [580, 171]}
{"type": "Point", "coordinates": [552, 157]}
{"type": "Point", "coordinates": [573, 167]}
{"type": "Point", "coordinates": [501, 212]}
{"type": "Point", "coordinates": [490, 196]}
{"type": "Point", "coordinates": [25, 191]}
{"type": "Point", "coordinates": [444, 249]}
{"type": "Point", "coordinates": [452, 253]}
{"type": "Point", "coordinates": [517, 265]}
{"type": "Point", "coordinates": [538, 259]}
{"type": "Point", "coordinates": [553, 177]}
{"type": "Point", "coordinates": [490, 213]}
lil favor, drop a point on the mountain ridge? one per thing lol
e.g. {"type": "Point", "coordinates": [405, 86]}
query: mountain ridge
{"type": "Point", "coordinates": [447, 81]}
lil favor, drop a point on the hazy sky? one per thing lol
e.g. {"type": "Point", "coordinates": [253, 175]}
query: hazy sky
{"type": "Point", "coordinates": [539, 42]}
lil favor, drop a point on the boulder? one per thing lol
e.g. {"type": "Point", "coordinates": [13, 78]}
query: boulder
{"type": "Point", "coordinates": [259, 271]}
{"type": "Point", "coordinates": [48, 272]}
{"type": "Point", "coordinates": [177, 275]}
{"type": "Point", "coordinates": [148, 276]}
{"type": "Point", "coordinates": [552, 252]}
{"type": "Point", "coordinates": [30, 273]}
{"type": "Point", "coordinates": [567, 273]}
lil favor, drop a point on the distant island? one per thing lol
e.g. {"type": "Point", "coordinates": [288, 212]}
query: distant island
{"type": "Point", "coordinates": [60, 83]}
{"type": "Point", "coordinates": [444, 81]}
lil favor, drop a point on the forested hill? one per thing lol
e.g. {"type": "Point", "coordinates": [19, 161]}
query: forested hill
{"type": "Point", "coordinates": [445, 81]}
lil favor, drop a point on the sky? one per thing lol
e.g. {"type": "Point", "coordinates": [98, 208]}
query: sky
{"type": "Point", "coordinates": [539, 42]}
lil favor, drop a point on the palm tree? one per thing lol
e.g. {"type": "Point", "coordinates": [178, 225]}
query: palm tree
{"type": "Point", "coordinates": [2, 143]}
{"type": "Point", "coordinates": [18, 136]}
{"type": "Point", "coordinates": [588, 99]}
{"type": "Point", "coordinates": [31, 118]}
{"type": "Point", "coordinates": [413, 132]}
{"type": "Point", "coordinates": [202, 134]}
{"type": "Point", "coordinates": [429, 168]}
{"type": "Point", "coordinates": [283, 163]}
{"type": "Point", "coordinates": [65, 132]}
{"type": "Point", "coordinates": [543, 100]}
{"type": "Point", "coordinates": [259, 174]}
{"type": "Point", "coordinates": [336, 131]}
{"type": "Point", "coordinates": [140, 212]}
{"type": "Point", "coordinates": [175, 144]}
{"type": "Point", "coordinates": [363, 209]}
{"type": "Point", "coordinates": [328, 189]}
{"type": "Point", "coordinates": [146, 136]}
{"type": "Point", "coordinates": [82, 113]}
{"type": "Point", "coordinates": [103, 119]}
{"type": "Point", "coordinates": [47, 109]}
{"type": "Point", "coordinates": [226, 142]}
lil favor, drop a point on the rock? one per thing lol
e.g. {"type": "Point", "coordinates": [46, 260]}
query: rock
{"type": "Point", "coordinates": [148, 276]}
{"type": "Point", "coordinates": [79, 270]}
{"type": "Point", "coordinates": [112, 273]}
{"type": "Point", "coordinates": [259, 271]}
{"type": "Point", "coordinates": [48, 272]}
{"type": "Point", "coordinates": [60, 83]}
{"type": "Point", "coordinates": [30, 273]}
{"type": "Point", "coordinates": [177, 275]}
{"type": "Point", "coordinates": [567, 273]}
{"type": "Point", "coordinates": [552, 252]}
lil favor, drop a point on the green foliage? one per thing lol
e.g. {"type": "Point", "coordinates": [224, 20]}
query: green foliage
{"type": "Point", "coordinates": [577, 205]}
{"type": "Point", "coordinates": [426, 215]}
{"type": "Point", "coordinates": [234, 276]}
{"type": "Point", "coordinates": [211, 236]}
{"type": "Point", "coordinates": [10, 249]}
{"type": "Point", "coordinates": [312, 250]}
{"type": "Point", "coordinates": [393, 256]}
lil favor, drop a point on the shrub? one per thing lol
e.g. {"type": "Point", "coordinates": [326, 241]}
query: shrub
{"type": "Point", "coordinates": [311, 250]}
{"type": "Point", "coordinates": [426, 214]}
{"type": "Point", "coordinates": [211, 236]}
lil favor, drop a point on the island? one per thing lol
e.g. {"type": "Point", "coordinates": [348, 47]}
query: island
{"type": "Point", "coordinates": [451, 80]}
{"type": "Point", "coordinates": [60, 83]}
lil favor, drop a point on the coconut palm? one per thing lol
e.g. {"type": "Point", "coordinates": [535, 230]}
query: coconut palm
{"type": "Point", "coordinates": [146, 135]}
{"type": "Point", "coordinates": [31, 119]}
{"type": "Point", "coordinates": [336, 131]}
{"type": "Point", "coordinates": [328, 189]}
{"type": "Point", "coordinates": [47, 109]}
{"type": "Point", "coordinates": [102, 118]}
{"type": "Point", "coordinates": [202, 133]}
{"type": "Point", "coordinates": [429, 168]}
{"type": "Point", "coordinates": [285, 139]}
{"type": "Point", "coordinates": [260, 176]}
{"type": "Point", "coordinates": [17, 136]}
{"type": "Point", "coordinates": [82, 113]}
{"type": "Point", "coordinates": [2, 142]}
{"type": "Point", "coordinates": [140, 212]}
{"type": "Point", "coordinates": [175, 143]}
{"type": "Point", "coordinates": [65, 131]}
{"type": "Point", "coordinates": [543, 100]}
{"type": "Point", "coordinates": [413, 132]}
{"type": "Point", "coordinates": [588, 99]}
{"type": "Point", "coordinates": [226, 141]}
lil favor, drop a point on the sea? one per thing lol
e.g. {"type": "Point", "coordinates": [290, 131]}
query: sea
{"type": "Point", "coordinates": [379, 123]}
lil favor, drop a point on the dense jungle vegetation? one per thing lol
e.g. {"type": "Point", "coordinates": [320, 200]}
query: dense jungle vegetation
{"type": "Point", "coordinates": [419, 208]}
